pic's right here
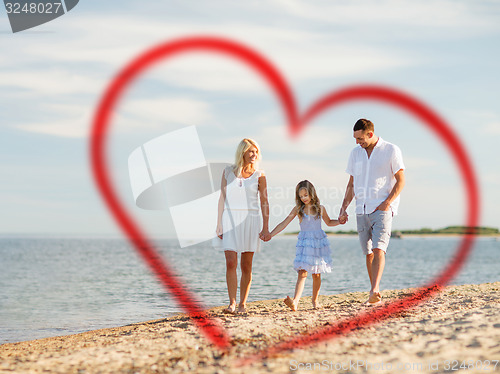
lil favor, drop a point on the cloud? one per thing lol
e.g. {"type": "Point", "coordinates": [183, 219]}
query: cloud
{"type": "Point", "coordinates": [492, 179]}
{"type": "Point", "coordinates": [486, 121]}
{"type": "Point", "coordinates": [83, 63]}
{"type": "Point", "coordinates": [67, 128]}
{"type": "Point", "coordinates": [298, 61]}
{"type": "Point", "coordinates": [463, 16]}
{"type": "Point", "coordinates": [415, 163]}
{"type": "Point", "coordinates": [74, 121]}
{"type": "Point", "coordinates": [178, 110]}
{"type": "Point", "coordinates": [94, 47]}
{"type": "Point", "coordinates": [315, 141]}
{"type": "Point", "coordinates": [58, 81]}
{"type": "Point", "coordinates": [491, 128]}
{"type": "Point", "coordinates": [66, 120]}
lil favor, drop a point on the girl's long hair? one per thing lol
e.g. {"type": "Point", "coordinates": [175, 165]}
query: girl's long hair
{"type": "Point", "coordinates": [244, 145]}
{"type": "Point", "coordinates": [312, 194]}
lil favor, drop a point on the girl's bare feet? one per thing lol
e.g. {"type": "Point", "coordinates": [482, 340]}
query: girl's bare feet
{"type": "Point", "coordinates": [317, 305]}
{"type": "Point", "coordinates": [290, 303]}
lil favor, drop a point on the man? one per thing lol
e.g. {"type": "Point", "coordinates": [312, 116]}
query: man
{"type": "Point", "coordinates": [376, 179]}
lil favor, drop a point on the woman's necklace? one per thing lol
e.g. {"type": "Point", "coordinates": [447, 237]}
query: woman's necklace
{"type": "Point", "coordinates": [242, 177]}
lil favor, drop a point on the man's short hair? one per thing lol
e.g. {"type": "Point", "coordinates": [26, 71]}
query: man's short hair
{"type": "Point", "coordinates": [363, 124]}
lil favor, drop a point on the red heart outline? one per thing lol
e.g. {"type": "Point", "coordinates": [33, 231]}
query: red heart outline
{"type": "Point", "coordinates": [212, 330]}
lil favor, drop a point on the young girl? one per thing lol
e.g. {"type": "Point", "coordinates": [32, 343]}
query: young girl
{"type": "Point", "coordinates": [313, 250]}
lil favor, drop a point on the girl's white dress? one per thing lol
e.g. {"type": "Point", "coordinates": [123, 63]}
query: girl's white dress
{"type": "Point", "coordinates": [241, 219]}
{"type": "Point", "coordinates": [313, 249]}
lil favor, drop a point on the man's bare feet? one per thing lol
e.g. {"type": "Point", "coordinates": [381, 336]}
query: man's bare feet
{"type": "Point", "coordinates": [231, 309]}
{"type": "Point", "coordinates": [289, 302]}
{"type": "Point", "coordinates": [375, 299]}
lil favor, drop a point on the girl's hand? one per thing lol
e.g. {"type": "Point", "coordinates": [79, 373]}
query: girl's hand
{"type": "Point", "coordinates": [219, 231]}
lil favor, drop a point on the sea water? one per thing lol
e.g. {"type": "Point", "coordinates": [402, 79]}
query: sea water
{"type": "Point", "coordinates": [53, 286]}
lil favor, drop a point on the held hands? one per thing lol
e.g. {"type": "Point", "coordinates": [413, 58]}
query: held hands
{"type": "Point", "coordinates": [343, 217]}
{"type": "Point", "coordinates": [265, 235]}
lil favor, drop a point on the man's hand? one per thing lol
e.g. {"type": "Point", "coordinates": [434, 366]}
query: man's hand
{"type": "Point", "coordinates": [385, 206]}
{"type": "Point", "coordinates": [396, 190]}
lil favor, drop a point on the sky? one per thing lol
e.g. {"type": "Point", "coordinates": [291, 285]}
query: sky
{"type": "Point", "coordinates": [52, 77]}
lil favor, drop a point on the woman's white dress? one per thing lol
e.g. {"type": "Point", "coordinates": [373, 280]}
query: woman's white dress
{"type": "Point", "coordinates": [241, 219]}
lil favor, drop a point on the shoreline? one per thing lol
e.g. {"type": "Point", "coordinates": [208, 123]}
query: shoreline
{"type": "Point", "coordinates": [403, 236]}
{"type": "Point", "coordinates": [460, 323]}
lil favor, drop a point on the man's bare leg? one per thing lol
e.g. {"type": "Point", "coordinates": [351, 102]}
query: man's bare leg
{"type": "Point", "coordinates": [377, 269]}
{"type": "Point", "coordinates": [369, 264]}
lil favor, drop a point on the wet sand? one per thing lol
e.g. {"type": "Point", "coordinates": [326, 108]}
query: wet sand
{"type": "Point", "coordinates": [458, 328]}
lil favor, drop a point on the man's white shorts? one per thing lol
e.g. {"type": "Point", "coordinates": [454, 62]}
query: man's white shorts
{"type": "Point", "coordinates": [374, 230]}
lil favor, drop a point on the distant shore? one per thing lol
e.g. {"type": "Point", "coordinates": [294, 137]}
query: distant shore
{"type": "Point", "coordinates": [426, 236]}
{"type": "Point", "coordinates": [459, 326]}
{"type": "Point", "coordinates": [450, 231]}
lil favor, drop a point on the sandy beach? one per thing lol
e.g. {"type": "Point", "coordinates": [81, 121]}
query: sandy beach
{"type": "Point", "coordinates": [457, 331]}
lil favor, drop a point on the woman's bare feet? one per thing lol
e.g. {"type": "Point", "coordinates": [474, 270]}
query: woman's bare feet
{"type": "Point", "coordinates": [231, 309]}
{"type": "Point", "coordinates": [242, 308]}
{"type": "Point", "coordinates": [290, 303]}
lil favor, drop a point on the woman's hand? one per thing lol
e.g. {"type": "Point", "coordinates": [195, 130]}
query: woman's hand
{"type": "Point", "coordinates": [219, 231]}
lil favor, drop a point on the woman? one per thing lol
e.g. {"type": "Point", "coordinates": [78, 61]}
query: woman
{"type": "Point", "coordinates": [239, 221]}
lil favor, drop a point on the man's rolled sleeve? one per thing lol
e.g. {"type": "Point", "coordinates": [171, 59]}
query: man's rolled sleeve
{"type": "Point", "coordinates": [397, 160]}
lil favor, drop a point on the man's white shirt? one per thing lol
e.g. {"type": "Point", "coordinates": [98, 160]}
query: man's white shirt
{"type": "Point", "coordinates": [374, 177]}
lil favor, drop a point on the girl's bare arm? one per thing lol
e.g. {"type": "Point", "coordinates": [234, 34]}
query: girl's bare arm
{"type": "Point", "coordinates": [281, 226]}
{"type": "Point", "coordinates": [326, 218]}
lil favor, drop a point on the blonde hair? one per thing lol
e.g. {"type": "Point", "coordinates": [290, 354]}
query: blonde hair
{"type": "Point", "coordinates": [308, 186]}
{"type": "Point", "coordinates": [244, 146]}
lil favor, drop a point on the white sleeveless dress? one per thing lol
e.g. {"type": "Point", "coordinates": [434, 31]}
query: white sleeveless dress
{"type": "Point", "coordinates": [241, 219]}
